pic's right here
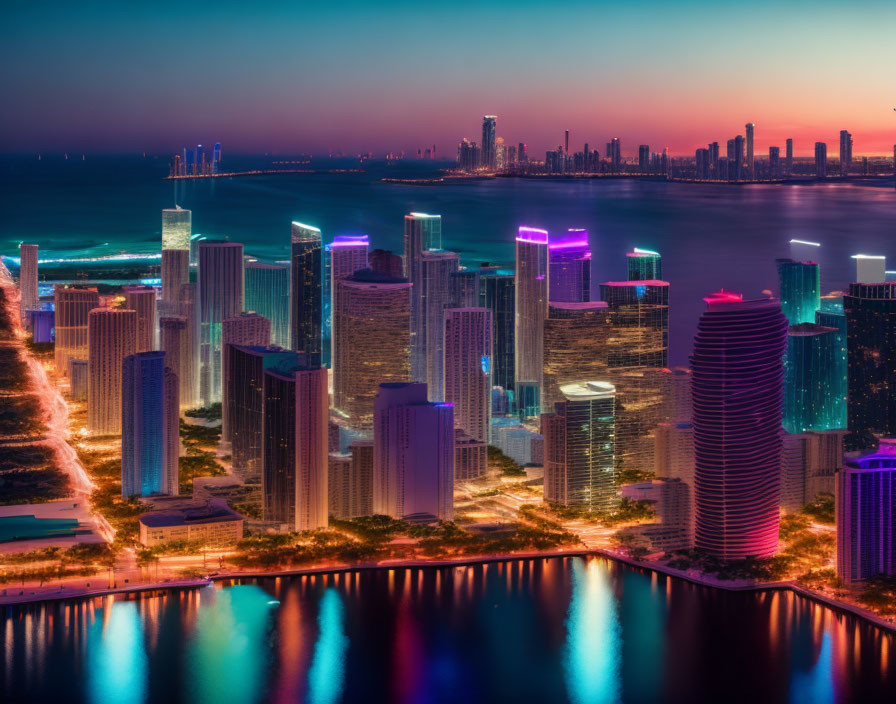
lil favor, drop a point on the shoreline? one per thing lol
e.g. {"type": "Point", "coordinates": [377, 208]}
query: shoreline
{"type": "Point", "coordinates": [9, 602]}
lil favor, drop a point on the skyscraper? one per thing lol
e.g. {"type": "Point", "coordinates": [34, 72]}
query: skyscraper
{"type": "Point", "coordinates": [821, 160]}
{"type": "Point", "coordinates": [644, 158]}
{"type": "Point", "coordinates": [575, 345]}
{"type": "Point", "coordinates": [871, 357]}
{"type": "Point", "coordinates": [468, 368]}
{"type": "Point", "coordinates": [866, 515]}
{"type": "Point", "coordinates": [29, 298]}
{"type": "Point", "coordinates": [174, 341]}
{"type": "Point", "coordinates": [72, 305]}
{"type": "Point", "coordinates": [413, 454]}
{"type": "Point", "coordinates": [644, 265]}
{"type": "Point", "coordinates": [306, 291]}
{"type": "Point", "coordinates": [188, 309]}
{"type": "Point", "coordinates": [347, 254]}
{"type": "Point", "coordinates": [489, 152]}
{"type": "Point", "coordinates": [579, 446]}
{"type": "Point", "coordinates": [788, 159]}
{"type": "Point", "coordinates": [245, 401]}
{"type": "Point", "coordinates": [112, 336]}
{"type": "Point", "coordinates": [176, 233]}
{"type": "Point", "coordinates": [738, 396]}
{"type": "Point", "coordinates": [774, 162]}
{"type": "Point", "coordinates": [422, 233]}
{"type": "Point", "coordinates": [142, 299]}
{"type": "Point", "coordinates": [531, 307]}
{"type": "Point", "coordinates": [176, 228]}
{"type": "Point", "coordinates": [800, 290]}
{"type": "Point", "coordinates": [294, 475]}
{"type": "Point", "coordinates": [814, 397]}
{"type": "Point", "coordinates": [371, 329]}
{"type": "Point", "coordinates": [437, 269]}
{"type": "Point", "coordinates": [386, 262]}
{"type": "Point", "coordinates": [243, 329]}
{"type": "Point", "coordinates": [220, 283]}
{"type": "Point", "coordinates": [150, 436]}
{"type": "Point", "coordinates": [570, 267]}
{"type": "Point", "coordinates": [845, 152]}
{"type": "Point", "coordinates": [637, 352]}
{"type": "Point", "coordinates": [267, 293]}
{"type": "Point", "coordinates": [751, 163]}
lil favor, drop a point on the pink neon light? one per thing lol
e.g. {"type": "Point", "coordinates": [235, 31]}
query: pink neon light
{"type": "Point", "coordinates": [645, 282]}
{"type": "Point", "coordinates": [350, 241]}
{"type": "Point", "coordinates": [535, 235]}
{"type": "Point", "coordinates": [724, 297]}
{"type": "Point", "coordinates": [568, 245]}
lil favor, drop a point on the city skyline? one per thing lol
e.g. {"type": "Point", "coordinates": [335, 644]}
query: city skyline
{"type": "Point", "coordinates": [646, 81]}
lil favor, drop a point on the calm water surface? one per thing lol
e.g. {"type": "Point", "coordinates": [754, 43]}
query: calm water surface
{"type": "Point", "coordinates": [711, 236]}
{"type": "Point", "coordinates": [555, 630]}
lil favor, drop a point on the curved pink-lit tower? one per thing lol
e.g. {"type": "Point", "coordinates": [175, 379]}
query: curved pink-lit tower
{"type": "Point", "coordinates": [737, 388]}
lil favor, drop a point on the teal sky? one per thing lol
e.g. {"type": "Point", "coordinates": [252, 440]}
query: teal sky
{"type": "Point", "coordinates": [317, 76]}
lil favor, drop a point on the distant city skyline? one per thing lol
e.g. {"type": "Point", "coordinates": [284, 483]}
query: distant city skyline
{"type": "Point", "coordinates": [290, 78]}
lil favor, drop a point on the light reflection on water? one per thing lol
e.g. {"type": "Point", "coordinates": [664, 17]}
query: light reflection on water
{"type": "Point", "coordinates": [586, 631]}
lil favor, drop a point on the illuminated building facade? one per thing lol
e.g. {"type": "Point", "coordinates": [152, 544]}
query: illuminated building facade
{"type": "Point", "coordinates": [579, 447]}
{"type": "Point", "coordinates": [489, 155]}
{"type": "Point", "coordinates": [386, 262]}
{"type": "Point", "coordinates": [644, 265]}
{"type": "Point", "coordinates": [800, 290]}
{"type": "Point", "coordinates": [175, 273]}
{"type": "Point", "coordinates": [150, 436]}
{"type": "Point", "coordinates": [294, 440]}
{"type": "Point", "coordinates": [637, 352]}
{"type": "Point", "coordinates": [112, 336]}
{"type": "Point", "coordinates": [371, 328]}
{"type": "Point", "coordinates": [674, 459]}
{"type": "Point", "coordinates": [437, 268]}
{"type": "Point", "coordinates": [188, 309]}
{"type": "Point", "coordinates": [470, 456]}
{"type": "Point", "coordinates": [422, 233]}
{"type": "Point", "coordinates": [243, 329]}
{"type": "Point", "coordinates": [176, 228]}
{"type": "Point", "coordinates": [78, 374]}
{"type": "Point", "coordinates": [530, 307]}
{"type": "Point", "coordinates": [42, 324]}
{"type": "Point", "coordinates": [814, 397]}
{"type": "Point", "coordinates": [570, 268]}
{"type": "Point", "coordinates": [220, 284]}
{"type": "Point", "coordinates": [175, 343]}
{"type": "Point", "coordinates": [871, 362]}
{"type": "Point", "coordinates": [738, 381]}
{"type": "Point", "coordinates": [362, 477]}
{"type": "Point", "coordinates": [413, 454]}
{"type": "Point", "coordinates": [29, 298]}
{"type": "Point", "coordinates": [72, 304]}
{"type": "Point", "coordinates": [143, 300]}
{"type": "Point", "coordinates": [575, 345]}
{"type": "Point", "coordinates": [267, 293]}
{"type": "Point", "coordinates": [866, 515]}
{"type": "Point", "coordinates": [306, 291]}
{"type": "Point", "coordinates": [346, 254]}
{"type": "Point", "coordinates": [468, 368]}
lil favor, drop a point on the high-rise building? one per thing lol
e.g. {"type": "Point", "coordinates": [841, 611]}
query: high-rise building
{"type": "Point", "coordinates": [42, 324]}
{"type": "Point", "coordinates": [339, 485]}
{"type": "Point", "coordinates": [671, 500]}
{"type": "Point", "coordinates": [870, 268]}
{"type": "Point", "coordinates": [72, 304]}
{"type": "Point", "coordinates": [174, 341]}
{"type": "Point", "coordinates": [245, 402]}
{"type": "Point", "coordinates": [243, 329]}
{"type": "Point", "coordinates": [143, 300]}
{"type": "Point", "coordinates": [794, 452]}
{"type": "Point", "coordinates": [346, 255]}
{"type": "Point", "coordinates": [306, 291]}
{"type": "Point", "coordinates": [531, 307]}
{"type": "Point", "coordinates": [29, 298]}
{"type": "Point", "coordinates": [800, 290]}
{"type": "Point", "coordinates": [831, 315]}
{"type": "Point", "coordinates": [150, 436]}
{"type": "Point", "coordinates": [470, 456]}
{"type": "Point", "coordinates": [267, 293]}
{"type": "Point", "coordinates": [821, 160]}
{"type": "Point", "coordinates": [112, 336]}
{"type": "Point", "coordinates": [575, 345]}
{"type": "Point", "coordinates": [579, 447]}
{"type": "Point", "coordinates": [751, 163]}
{"type": "Point", "coordinates": [371, 329]}
{"type": "Point", "coordinates": [570, 267]}
{"type": "Point", "coordinates": [738, 380]}
{"type": "Point", "coordinates": [78, 379]}
{"type": "Point", "coordinates": [436, 290]}
{"type": "Point", "coordinates": [866, 515]}
{"type": "Point", "coordinates": [637, 352]}
{"type": "Point", "coordinates": [422, 233]}
{"type": "Point", "coordinates": [220, 284]}
{"type": "Point", "coordinates": [644, 265]}
{"type": "Point", "coordinates": [294, 438]}
{"type": "Point", "coordinates": [677, 385]}
{"type": "Point", "coordinates": [871, 357]}
{"type": "Point", "coordinates": [788, 159]}
{"type": "Point", "coordinates": [175, 273]}
{"type": "Point", "coordinates": [644, 158]}
{"type": "Point", "coordinates": [774, 162]}
{"type": "Point", "coordinates": [362, 477]}
{"type": "Point", "coordinates": [382, 261]}
{"type": "Point", "coordinates": [814, 397]}
{"type": "Point", "coordinates": [413, 454]}
{"type": "Point", "coordinates": [468, 368]}
{"type": "Point", "coordinates": [739, 158]}
{"type": "Point", "coordinates": [176, 228]}
{"type": "Point", "coordinates": [845, 152]}
{"type": "Point", "coordinates": [489, 150]}
{"type": "Point", "coordinates": [188, 309]}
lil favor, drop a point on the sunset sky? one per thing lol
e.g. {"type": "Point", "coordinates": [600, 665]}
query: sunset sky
{"type": "Point", "coordinates": [318, 76]}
